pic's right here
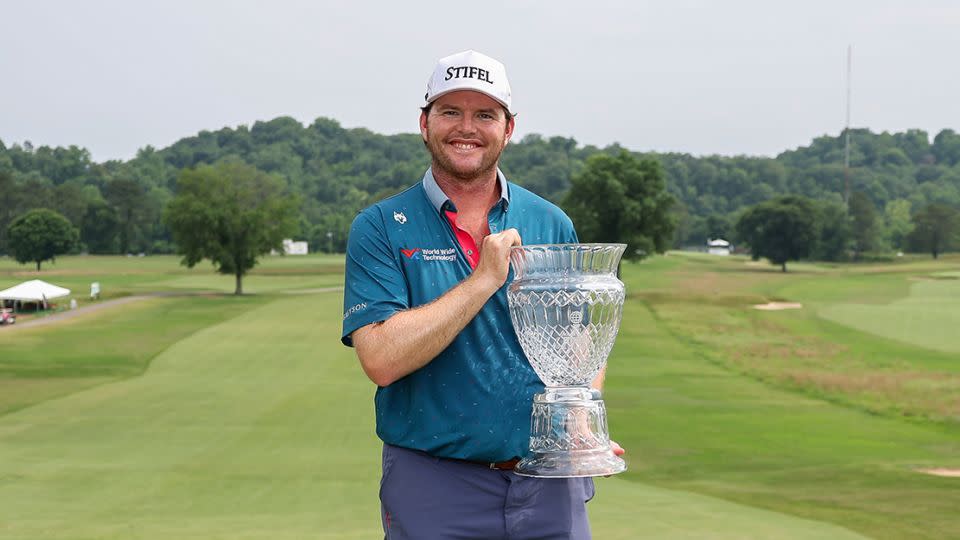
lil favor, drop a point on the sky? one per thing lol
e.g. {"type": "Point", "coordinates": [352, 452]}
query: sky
{"type": "Point", "coordinates": [700, 77]}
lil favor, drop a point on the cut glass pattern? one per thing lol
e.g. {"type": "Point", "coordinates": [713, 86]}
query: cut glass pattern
{"type": "Point", "coordinates": [566, 304]}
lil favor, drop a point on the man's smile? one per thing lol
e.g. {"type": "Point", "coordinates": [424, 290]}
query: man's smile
{"type": "Point", "coordinates": [461, 145]}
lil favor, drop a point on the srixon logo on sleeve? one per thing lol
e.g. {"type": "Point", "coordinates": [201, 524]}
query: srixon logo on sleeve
{"type": "Point", "coordinates": [468, 72]}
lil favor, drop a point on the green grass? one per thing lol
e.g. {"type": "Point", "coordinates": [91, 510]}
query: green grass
{"type": "Point", "coordinates": [121, 341]}
{"type": "Point", "coordinates": [45, 362]}
{"type": "Point", "coordinates": [927, 317]}
{"type": "Point", "coordinates": [269, 436]}
{"type": "Point", "coordinates": [243, 430]}
{"type": "Point", "coordinates": [221, 417]}
{"type": "Point", "coordinates": [122, 276]}
{"type": "Point", "coordinates": [689, 423]}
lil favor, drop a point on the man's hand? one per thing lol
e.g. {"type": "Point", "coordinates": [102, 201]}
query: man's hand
{"type": "Point", "coordinates": [617, 449]}
{"type": "Point", "coordinates": [410, 339]}
{"type": "Point", "coordinates": [494, 265]}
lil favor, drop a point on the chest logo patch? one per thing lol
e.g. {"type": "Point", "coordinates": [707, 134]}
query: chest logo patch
{"type": "Point", "coordinates": [430, 254]}
{"type": "Point", "coordinates": [399, 217]}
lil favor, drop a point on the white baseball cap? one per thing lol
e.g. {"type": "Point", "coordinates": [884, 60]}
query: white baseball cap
{"type": "Point", "coordinates": [469, 70]}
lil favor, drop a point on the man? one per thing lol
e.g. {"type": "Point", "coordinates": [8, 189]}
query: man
{"type": "Point", "coordinates": [426, 309]}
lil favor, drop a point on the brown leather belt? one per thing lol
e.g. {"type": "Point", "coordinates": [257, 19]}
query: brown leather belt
{"type": "Point", "coordinates": [508, 465]}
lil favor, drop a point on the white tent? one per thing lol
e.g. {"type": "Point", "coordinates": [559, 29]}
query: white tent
{"type": "Point", "coordinates": [33, 291]}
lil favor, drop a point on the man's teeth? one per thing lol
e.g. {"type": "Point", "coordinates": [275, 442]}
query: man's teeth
{"type": "Point", "coordinates": [463, 146]}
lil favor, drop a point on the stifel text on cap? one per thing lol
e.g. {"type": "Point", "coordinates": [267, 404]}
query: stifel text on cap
{"type": "Point", "coordinates": [468, 72]}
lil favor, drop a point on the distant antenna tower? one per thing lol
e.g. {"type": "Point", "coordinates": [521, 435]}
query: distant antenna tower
{"type": "Point", "coordinates": [846, 151]}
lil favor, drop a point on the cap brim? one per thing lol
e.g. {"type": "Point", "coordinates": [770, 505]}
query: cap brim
{"type": "Point", "coordinates": [469, 89]}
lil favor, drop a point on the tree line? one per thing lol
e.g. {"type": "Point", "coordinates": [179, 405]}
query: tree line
{"type": "Point", "coordinates": [332, 172]}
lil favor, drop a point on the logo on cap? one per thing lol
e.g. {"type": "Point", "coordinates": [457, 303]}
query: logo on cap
{"type": "Point", "coordinates": [468, 72]}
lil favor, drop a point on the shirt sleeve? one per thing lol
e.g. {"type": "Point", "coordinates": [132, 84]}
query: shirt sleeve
{"type": "Point", "coordinates": [374, 284]}
{"type": "Point", "coordinates": [568, 235]}
{"type": "Point", "coordinates": [571, 233]}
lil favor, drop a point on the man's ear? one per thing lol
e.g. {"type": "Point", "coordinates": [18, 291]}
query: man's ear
{"type": "Point", "coordinates": [423, 125]}
{"type": "Point", "coordinates": [511, 123]}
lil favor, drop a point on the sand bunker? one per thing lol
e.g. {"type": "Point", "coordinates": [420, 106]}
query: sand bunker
{"type": "Point", "coordinates": [953, 473]}
{"type": "Point", "coordinates": [777, 306]}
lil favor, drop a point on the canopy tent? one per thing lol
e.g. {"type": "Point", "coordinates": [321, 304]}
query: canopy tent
{"type": "Point", "coordinates": [33, 291]}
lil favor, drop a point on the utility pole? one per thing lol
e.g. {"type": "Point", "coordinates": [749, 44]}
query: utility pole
{"type": "Point", "coordinates": [846, 152]}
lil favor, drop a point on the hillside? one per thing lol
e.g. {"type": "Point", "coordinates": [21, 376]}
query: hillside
{"type": "Point", "coordinates": [337, 171]}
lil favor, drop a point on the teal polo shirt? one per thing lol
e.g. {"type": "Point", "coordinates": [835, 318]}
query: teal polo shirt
{"type": "Point", "coordinates": [473, 400]}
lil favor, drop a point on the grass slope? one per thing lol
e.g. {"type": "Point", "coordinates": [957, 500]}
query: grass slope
{"type": "Point", "coordinates": [45, 362]}
{"type": "Point", "coordinates": [254, 428]}
{"type": "Point", "coordinates": [262, 427]}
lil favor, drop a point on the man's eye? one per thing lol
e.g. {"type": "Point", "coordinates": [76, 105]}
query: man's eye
{"type": "Point", "coordinates": [486, 116]}
{"type": "Point", "coordinates": [449, 113]}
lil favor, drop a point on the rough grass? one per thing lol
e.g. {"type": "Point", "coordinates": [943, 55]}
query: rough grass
{"type": "Point", "coordinates": [692, 421]}
{"type": "Point", "coordinates": [709, 304]}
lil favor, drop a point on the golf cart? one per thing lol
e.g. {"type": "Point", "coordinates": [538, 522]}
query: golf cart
{"type": "Point", "coordinates": [7, 316]}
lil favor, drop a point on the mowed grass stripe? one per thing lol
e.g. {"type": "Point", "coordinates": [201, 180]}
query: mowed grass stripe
{"type": "Point", "coordinates": [262, 427]}
{"type": "Point", "coordinates": [39, 363]}
{"type": "Point", "coordinates": [928, 317]}
{"type": "Point", "coordinates": [258, 427]}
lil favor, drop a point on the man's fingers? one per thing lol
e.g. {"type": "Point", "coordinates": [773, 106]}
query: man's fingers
{"type": "Point", "coordinates": [495, 256]}
{"type": "Point", "coordinates": [617, 449]}
{"type": "Point", "coordinates": [507, 238]}
{"type": "Point", "coordinates": [514, 236]}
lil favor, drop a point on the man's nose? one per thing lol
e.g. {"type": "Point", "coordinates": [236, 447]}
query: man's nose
{"type": "Point", "coordinates": [466, 123]}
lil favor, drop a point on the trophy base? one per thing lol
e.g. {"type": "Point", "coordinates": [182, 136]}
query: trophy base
{"type": "Point", "coordinates": [565, 465]}
{"type": "Point", "coordinates": [568, 436]}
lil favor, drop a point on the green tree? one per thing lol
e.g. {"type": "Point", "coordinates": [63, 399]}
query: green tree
{"type": "Point", "coordinates": [863, 223]}
{"type": "Point", "coordinates": [946, 147]}
{"type": "Point", "coordinates": [897, 222]}
{"type": "Point", "coordinates": [68, 199]}
{"type": "Point", "coordinates": [718, 226]}
{"type": "Point", "coordinates": [232, 214]}
{"type": "Point", "coordinates": [834, 228]}
{"type": "Point", "coordinates": [128, 199]}
{"type": "Point", "coordinates": [99, 227]}
{"type": "Point", "coordinates": [40, 235]}
{"type": "Point", "coordinates": [9, 200]}
{"type": "Point", "coordinates": [622, 198]}
{"type": "Point", "coordinates": [935, 229]}
{"type": "Point", "coordinates": [783, 229]}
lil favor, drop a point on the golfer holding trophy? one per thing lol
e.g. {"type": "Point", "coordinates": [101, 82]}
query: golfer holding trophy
{"type": "Point", "coordinates": [426, 308]}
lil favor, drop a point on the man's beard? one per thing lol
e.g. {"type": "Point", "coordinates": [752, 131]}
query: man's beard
{"type": "Point", "coordinates": [488, 162]}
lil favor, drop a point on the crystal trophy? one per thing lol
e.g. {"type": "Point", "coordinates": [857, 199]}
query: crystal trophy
{"type": "Point", "coordinates": [566, 304]}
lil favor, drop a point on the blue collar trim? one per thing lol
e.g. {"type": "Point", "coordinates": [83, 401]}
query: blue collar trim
{"type": "Point", "coordinates": [438, 198]}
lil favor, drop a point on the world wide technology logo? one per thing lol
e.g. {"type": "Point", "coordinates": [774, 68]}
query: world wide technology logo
{"type": "Point", "coordinates": [430, 254]}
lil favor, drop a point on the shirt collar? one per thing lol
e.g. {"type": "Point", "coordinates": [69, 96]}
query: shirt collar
{"type": "Point", "coordinates": [439, 198]}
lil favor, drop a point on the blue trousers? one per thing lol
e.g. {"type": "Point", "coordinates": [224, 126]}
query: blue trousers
{"type": "Point", "coordinates": [427, 498]}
